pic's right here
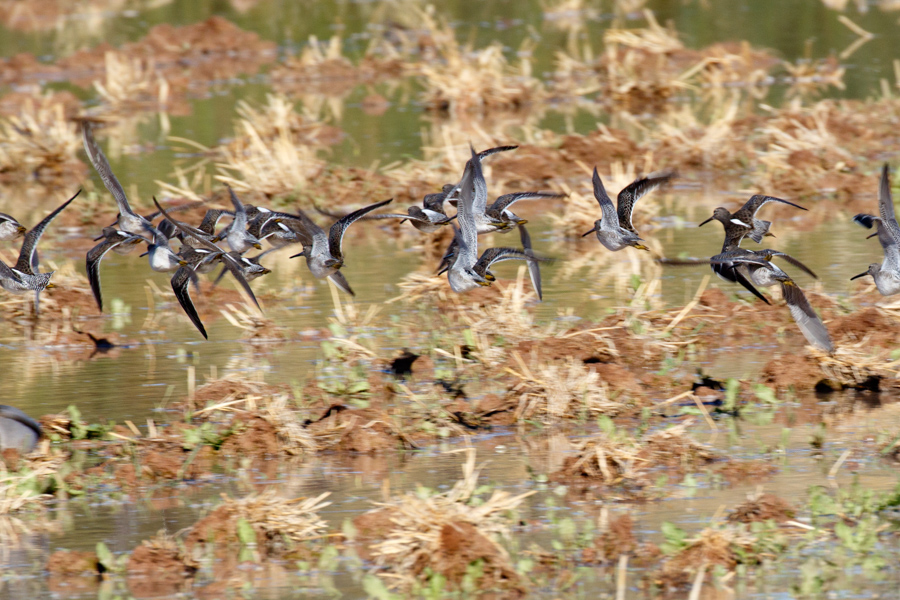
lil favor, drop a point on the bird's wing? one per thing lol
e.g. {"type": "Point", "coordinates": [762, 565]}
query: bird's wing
{"type": "Point", "coordinates": [181, 286]}
{"type": "Point", "coordinates": [886, 205]}
{"type": "Point", "coordinates": [339, 280]}
{"type": "Point", "coordinates": [211, 219]}
{"type": "Point", "coordinates": [7, 273]}
{"type": "Point", "coordinates": [739, 277]}
{"type": "Point", "coordinates": [635, 191]}
{"type": "Point", "coordinates": [239, 222]}
{"type": "Point", "coordinates": [435, 202]}
{"type": "Point", "coordinates": [891, 247]}
{"type": "Point", "coordinates": [534, 268]}
{"type": "Point", "coordinates": [232, 262]}
{"type": "Point", "coordinates": [610, 217]}
{"type": "Point", "coordinates": [101, 165]}
{"type": "Point", "coordinates": [95, 255]}
{"type": "Point", "coordinates": [26, 255]}
{"type": "Point", "coordinates": [185, 229]}
{"type": "Point", "coordinates": [808, 321]}
{"type": "Point", "coordinates": [336, 233]}
{"type": "Point", "coordinates": [467, 242]}
{"type": "Point", "coordinates": [793, 261]}
{"type": "Point", "coordinates": [490, 151]}
{"type": "Point", "coordinates": [450, 254]}
{"type": "Point", "coordinates": [495, 255]}
{"type": "Point", "coordinates": [479, 187]}
{"type": "Point", "coordinates": [751, 206]}
{"type": "Point", "coordinates": [506, 200]}
{"type": "Point", "coordinates": [177, 209]}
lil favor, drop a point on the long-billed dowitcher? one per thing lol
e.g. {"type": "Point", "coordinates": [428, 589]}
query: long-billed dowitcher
{"type": "Point", "coordinates": [466, 270]}
{"type": "Point", "coordinates": [324, 253]}
{"type": "Point", "coordinates": [236, 235]}
{"type": "Point", "coordinates": [768, 274]}
{"type": "Point", "coordinates": [615, 229]}
{"type": "Point", "coordinates": [208, 254]}
{"type": "Point", "coordinates": [24, 276]}
{"type": "Point", "coordinates": [886, 274]}
{"type": "Point", "coordinates": [743, 222]}
{"type": "Point", "coordinates": [461, 274]}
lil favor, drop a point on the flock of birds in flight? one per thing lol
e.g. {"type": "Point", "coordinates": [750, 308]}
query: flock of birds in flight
{"type": "Point", "coordinates": [199, 250]}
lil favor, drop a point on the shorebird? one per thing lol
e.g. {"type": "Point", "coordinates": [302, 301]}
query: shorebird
{"type": "Point", "coordinates": [767, 274]}
{"type": "Point", "coordinates": [24, 276]}
{"type": "Point", "coordinates": [160, 254]}
{"type": "Point", "coordinates": [743, 222]}
{"type": "Point", "coordinates": [614, 229]}
{"type": "Point", "coordinates": [18, 430]}
{"type": "Point", "coordinates": [324, 253]}
{"type": "Point", "coordinates": [886, 274]}
{"type": "Point", "coordinates": [128, 220]}
{"type": "Point", "coordinates": [739, 225]}
{"type": "Point", "coordinates": [236, 235]}
{"type": "Point", "coordinates": [10, 229]}
{"type": "Point", "coordinates": [466, 270]}
{"type": "Point", "coordinates": [461, 271]}
{"type": "Point", "coordinates": [116, 240]}
{"type": "Point", "coordinates": [208, 254]}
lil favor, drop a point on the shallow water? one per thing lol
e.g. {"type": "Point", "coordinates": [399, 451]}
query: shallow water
{"type": "Point", "coordinates": [509, 461]}
{"type": "Point", "coordinates": [162, 347]}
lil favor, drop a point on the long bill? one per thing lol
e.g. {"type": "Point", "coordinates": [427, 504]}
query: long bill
{"type": "Point", "coordinates": [863, 274]}
{"type": "Point", "coordinates": [589, 232]}
{"type": "Point", "coordinates": [706, 221]}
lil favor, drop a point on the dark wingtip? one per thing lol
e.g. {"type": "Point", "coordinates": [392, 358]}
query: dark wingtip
{"type": "Point", "coordinates": [867, 221]}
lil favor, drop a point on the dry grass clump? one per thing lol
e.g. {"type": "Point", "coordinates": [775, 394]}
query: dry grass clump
{"type": "Point", "coordinates": [561, 390]}
{"type": "Point", "coordinates": [162, 558]}
{"type": "Point", "coordinates": [277, 523]}
{"type": "Point", "coordinates": [131, 83]}
{"type": "Point", "coordinates": [274, 151]}
{"type": "Point", "coordinates": [608, 458]}
{"type": "Point", "coordinates": [858, 366]}
{"type": "Point", "coordinates": [233, 399]}
{"type": "Point", "coordinates": [702, 140]}
{"type": "Point", "coordinates": [674, 448]}
{"type": "Point", "coordinates": [322, 69]}
{"type": "Point", "coordinates": [631, 65]}
{"type": "Point", "coordinates": [21, 491]}
{"type": "Point", "coordinates": [16, 494]}
{"type": "Point", "coordinates": [445, 533]}
{"type": "Point", "coordinates": [799, 143]}
{"type": "Point", "coordinates": [463, 80]}
{"type": "Point", "coordinates": [38, 144]}
{"type": "Point", "coordinates": [615, 458]}
{"type": "Point", "coordinates": [762, 507]}
{"type": "Point", "coordinates": [725, 547]}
